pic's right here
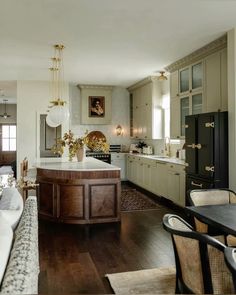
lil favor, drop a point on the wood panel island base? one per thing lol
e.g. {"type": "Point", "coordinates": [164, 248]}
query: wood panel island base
{"type": "Point", "coordinates": [79, 192]}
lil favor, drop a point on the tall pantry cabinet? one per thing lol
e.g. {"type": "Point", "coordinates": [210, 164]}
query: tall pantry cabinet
{"type": "Point", "coordinates": [146, 109]}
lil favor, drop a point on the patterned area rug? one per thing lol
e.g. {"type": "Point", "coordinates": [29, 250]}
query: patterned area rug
{"type": "Point", "coordinates": [131, 200]}
{"type": "Point", "coordinates": [148, 281]}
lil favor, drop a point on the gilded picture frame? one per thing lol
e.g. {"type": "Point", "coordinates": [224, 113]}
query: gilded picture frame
{"type": "Point", "coordinates": [96, 106]}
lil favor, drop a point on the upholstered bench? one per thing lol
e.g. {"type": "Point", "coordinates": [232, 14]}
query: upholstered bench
{"type": "Point", "coordinates": [22, 269]}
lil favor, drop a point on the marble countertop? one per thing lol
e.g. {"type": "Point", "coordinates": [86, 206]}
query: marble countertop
{"type": "Point", "coordinates": [161, 158]}
{"type": "Point", "coordinates": [89, 164]}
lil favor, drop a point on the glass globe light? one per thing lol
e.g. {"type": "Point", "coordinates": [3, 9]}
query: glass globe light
{"type": "Point", "coordinates": [50, 123]}
{"type": "Point", "coordinates": [58, 114]}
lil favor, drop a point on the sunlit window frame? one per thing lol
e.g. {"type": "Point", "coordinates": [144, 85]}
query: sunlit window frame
{"type": "Point", "coordinates": [9, 138]}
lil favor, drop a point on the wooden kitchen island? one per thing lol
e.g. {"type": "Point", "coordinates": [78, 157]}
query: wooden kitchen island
{"type": "Point", "coordinates": [79, 192]}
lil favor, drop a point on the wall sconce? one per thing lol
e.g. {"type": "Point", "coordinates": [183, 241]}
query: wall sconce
{"type": "Point", "coordinates": [119, 130]}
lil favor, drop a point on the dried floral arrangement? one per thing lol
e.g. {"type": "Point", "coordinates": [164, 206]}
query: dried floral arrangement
{"type": "Point", "coordinates": [74, 144]}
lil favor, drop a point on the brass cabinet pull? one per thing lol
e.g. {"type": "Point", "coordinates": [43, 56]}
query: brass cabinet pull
{"type": "Point", "coordinates": [210, 168]}
{"type": "Point", "coordinates": [177, 174]}
{"type": "Point", "coordinates": [196, 184]}
{"type": "Point", "coordinates": [210, 124]}
{"type": "Point", "coordinates": [193, 146]}
{"type": "Point", "coordinates": [198, 146]}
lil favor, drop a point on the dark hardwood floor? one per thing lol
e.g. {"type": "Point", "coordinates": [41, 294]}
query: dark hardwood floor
{"type": "Point", "coordinates": [75, 258]}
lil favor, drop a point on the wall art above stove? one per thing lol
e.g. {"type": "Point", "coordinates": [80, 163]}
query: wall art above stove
{"type": "Point", "coordinates": [92, 113]}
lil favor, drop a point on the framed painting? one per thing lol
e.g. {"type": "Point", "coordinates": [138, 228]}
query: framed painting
{"type": "Point", "coordinates": [96, 106]}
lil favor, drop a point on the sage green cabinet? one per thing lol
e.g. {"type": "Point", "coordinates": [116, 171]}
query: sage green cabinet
{"type": "Point", "coordinates": [119, 160]}
{"type": "Point", "coordinates": [202, 87]}
{"type": "Point", "coordinates": [174, 84]}
{"type": "Point", "coordinates": [159, 177]}
{"type": "Point", "coordinates": [188, 100]}
{"type": "Point", "coordinates": [176, 183]}
{"type": "Point", "coordinates": [216, 82]}
{"type": "Point", "coordinates": [191, 78]}
{"type": "Point", "coordinates": [147, 109]}
{"type": "Point", "coordinates": [175, 117]}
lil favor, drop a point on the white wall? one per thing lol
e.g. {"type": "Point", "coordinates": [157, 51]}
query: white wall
{"type": "Point", "coordinates": [231, 107]}
{"type": "Point", "coordinates": [32, 98]}
{"type": "Point", "coordinates": [120, 115]}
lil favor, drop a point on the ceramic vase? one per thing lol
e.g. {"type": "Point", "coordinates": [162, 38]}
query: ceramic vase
{"type": "Point", "coordinates": [80, 154]}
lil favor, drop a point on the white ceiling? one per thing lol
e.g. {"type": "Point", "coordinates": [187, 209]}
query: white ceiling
{"type": "Point", "coordinates": [107, 41]}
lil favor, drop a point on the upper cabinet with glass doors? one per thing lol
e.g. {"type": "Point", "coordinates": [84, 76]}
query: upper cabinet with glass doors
{"type": "Point", "coordinates": [191, 78]}
{"type": "Point", "coordinates": [186, 89]}
{"type": "Point", "coordinates": [191, 92]}
{"type": "Point", "coordinates": [199, 87]}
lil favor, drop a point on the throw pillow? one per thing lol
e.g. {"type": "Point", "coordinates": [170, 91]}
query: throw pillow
{"type": "Point", "coordinates": [6, 238]}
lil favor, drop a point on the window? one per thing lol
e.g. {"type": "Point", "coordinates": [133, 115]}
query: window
{"type": "Point", "coordinates": [8, 138]}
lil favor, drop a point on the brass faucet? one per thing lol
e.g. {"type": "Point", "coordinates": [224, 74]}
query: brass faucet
{"type": "Point", "coordinates": [167, 147]}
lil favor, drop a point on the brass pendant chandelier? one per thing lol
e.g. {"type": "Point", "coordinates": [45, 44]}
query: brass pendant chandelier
{"type": "Point", "coordinates": [5, 115]}
{"type": "Point", "coordinates": [58, 112]}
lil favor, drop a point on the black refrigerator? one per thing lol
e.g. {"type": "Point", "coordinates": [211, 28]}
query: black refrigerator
{"type": "Point", "coordinates": [206, 141]}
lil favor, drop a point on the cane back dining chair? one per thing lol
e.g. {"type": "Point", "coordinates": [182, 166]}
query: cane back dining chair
{"type": "Point", "coordinates": [201, 197]}
{"type": "Point", "coordinates": [27, 179]}
{"type": "Point", "coordinates": [199, 258]}
{"type": "Point", "coordinates": [230, 259]}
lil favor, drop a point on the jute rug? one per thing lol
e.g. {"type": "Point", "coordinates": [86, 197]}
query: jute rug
{"type": "Point", "coordinates": [131, 199]}
{"type": "Point", "coordinates": [148, 281]}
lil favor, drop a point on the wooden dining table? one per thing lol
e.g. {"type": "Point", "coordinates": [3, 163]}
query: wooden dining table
{"type": "Point", "coordinates": [222, 217]}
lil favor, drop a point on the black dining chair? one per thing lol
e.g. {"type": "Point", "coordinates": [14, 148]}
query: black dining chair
{"type": "Point", "coordinates": [200, 266]}
{"type": "Point", "coordinates": [219, 196]}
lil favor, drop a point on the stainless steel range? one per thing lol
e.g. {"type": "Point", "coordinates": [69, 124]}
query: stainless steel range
{"type": "Point", "coordinates": [100, 156]}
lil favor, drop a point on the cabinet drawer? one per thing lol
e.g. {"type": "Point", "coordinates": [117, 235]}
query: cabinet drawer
{"type": "Point", "coordinates": [132, 158]}
{"type": "Point", "coordinates": [176, 168]}
{"type": "Point", "coordinates": [150, 162]}
{"type": "Point", "coordinates": [117, 156]}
